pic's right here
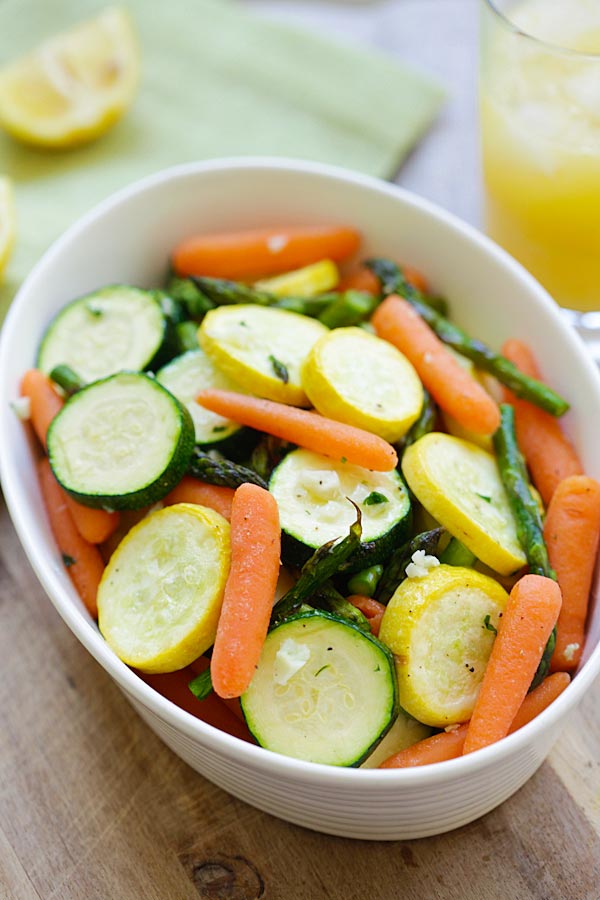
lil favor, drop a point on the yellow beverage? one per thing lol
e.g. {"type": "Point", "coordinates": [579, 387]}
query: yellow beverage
{"type": "Point", "coordinates": [540, 122]}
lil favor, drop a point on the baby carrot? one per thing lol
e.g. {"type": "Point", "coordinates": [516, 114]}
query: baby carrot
{"type": "Point", "coordinates": [190, 490]}
{"type": "Point", "coordinates": [571, 532]}
{"type": "Point", "coordinates": [303, 427]}
{"type": "Point", "coordinates": [530, 615]}
{"type": "Point", "coordinates": [361, 279]}
{"type": "Point", "coordinates": [94, 525]}
{"type": "Point", "coordinates": [248, 255]}
{"type": "Point", "coordinates": [45, 402]}
{"type": "Point", "coordinates": [372, 609]}
{"type": "Point", "coordinates": [174, 686]}
{"type": "Point", "coordinates": [249, 591]}
{"type": "Point", "coordinates": [82, 559]}
{"type": "Point", "coordinates": [449, 744]}
{"type": "Point", "coordinates": [451, 386]}
{"type": "Point", "coordinates": [549, 455]}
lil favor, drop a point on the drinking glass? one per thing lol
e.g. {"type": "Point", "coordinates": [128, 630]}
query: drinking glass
{"type": "Point", "coordinates": [540, 131]}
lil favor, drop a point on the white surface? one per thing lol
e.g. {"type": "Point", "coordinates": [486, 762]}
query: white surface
{"type": "Point", "coordinates": [128, 238]}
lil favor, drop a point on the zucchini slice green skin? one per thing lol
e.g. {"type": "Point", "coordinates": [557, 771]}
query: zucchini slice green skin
{"type": "Point", "coordinates": [313, 493]}
{"type": "Point", "coordinates": [121, 443]}
{"type": "Point", "coordinates": [118, 328]}
{"type": "Point", "coordinates": [335, 706]}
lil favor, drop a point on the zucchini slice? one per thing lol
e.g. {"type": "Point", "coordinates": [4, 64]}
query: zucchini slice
{"type": "Point", "coordinates": [121, 443]}
{"type": "Point", "coordinates": [262, 348]}
{"type": "Point", "coordinates": [111, 330]}
{"type": "Point", "coordinates": [460, 486]}
{"type": "Point", "coordinates": [441, 628]}
{"type": "Point", "coordinates": [160, 595]}
{"type": "Point", "coordinates": [382, 393]}
{"type": "Point", "coordinates": [187, 375]}
{"type": "Point", "coordinates": [313, 493]}
{"type": "Point", "coordinates": [324, 691]}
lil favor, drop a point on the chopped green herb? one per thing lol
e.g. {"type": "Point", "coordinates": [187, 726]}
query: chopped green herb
{"type": "Point", "coordinates": [94, 309]}
{"type": "Point", "coordinates": [318, 672]}
{"type": "Point", "coordinates": [484, 497]}
{"type": "Point", "coordinates": [487, 624]}
{"type": "Point", "coordinates": [68, 560]}
{"type": "Point", "coordinates": [280, 369]}
{"type": "Point", "coordinates": [218, 428]}
{"type": "Point", "coordinates": [343, 459]}
{"type": "Point", "coordinates": [374, 499]}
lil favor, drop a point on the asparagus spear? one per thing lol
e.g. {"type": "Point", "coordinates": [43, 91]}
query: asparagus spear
{"type": "Point", "coordinates": [482, 355]}
{"type": "Point", "coordinates": [67, 379]}
{"type": "Point", "coordinates": [223, 472]}
{"type": "Point", "coordinates": [185, 292]}
{"type": "Point", "coordinates": [516, 483]}
{"type": "Point", "coordinates": [456, 554]}
{"type": "Point", "coordinates": [187, 335]}
{"type": "Point", "coordinates": [201, 686]}
{"type": "Point", "coordinates": [334, 309]}
{"type": "Point", "coordinates": [331, 601]}
{"type": "Point", "coordinates": [349, 308]}
{"type": "Point", "coordinates": [395, 571]}
{"type": "Point", "coordinates": [324, 563]}
{"type": "Point", "coordinates": [393, 281]}
{"type": "Point", "coordinates": [530, 530]}
{"type": "Point", "coordinates": [365, 582]}
{"type": "Point", "coordinates": [424, 424]}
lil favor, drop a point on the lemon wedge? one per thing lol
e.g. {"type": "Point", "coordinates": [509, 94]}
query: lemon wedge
{"type": "Point", "coordinates": [74, 86]}
{"type": "Point", "coordinates": [7, 222]}
{"type": "Point", "coordinates": [160, 595]}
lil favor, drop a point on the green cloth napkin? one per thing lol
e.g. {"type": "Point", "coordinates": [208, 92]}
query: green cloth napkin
{"type": "Point", "coordinates": [216, 81]}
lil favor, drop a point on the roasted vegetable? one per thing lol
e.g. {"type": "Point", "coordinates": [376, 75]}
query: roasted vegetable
{"type": "Point", "coordinates": [222, 471]}
{"type": "Point", "coordinates": [482, 355]}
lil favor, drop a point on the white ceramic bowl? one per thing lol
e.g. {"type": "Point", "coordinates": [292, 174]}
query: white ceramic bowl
{"type": "Point", "coordinates": [128, 239]}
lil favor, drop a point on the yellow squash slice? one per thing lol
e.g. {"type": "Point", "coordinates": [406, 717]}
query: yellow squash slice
{"type": "Point", "coordinates": [309, 281]}
{"type": "Point", "coordinates": [74, 86]}
{"type": "Point", "coordinates": [459, 485]}
{"type": "Point", "coordinates": [441, 629]}
{"type": "Point", "coordinates": [160, 596]}
{"type": "Point", "coordinates": [356, 378]}
{"type": "Point", "coordinates": [261, 348]}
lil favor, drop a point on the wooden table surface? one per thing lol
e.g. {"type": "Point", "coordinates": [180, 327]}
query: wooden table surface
{"type": "Point", "coordinates": [93, 805]}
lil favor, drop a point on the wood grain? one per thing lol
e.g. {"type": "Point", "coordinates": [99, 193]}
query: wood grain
{"type": "Point", "coordinates": [93, 805]}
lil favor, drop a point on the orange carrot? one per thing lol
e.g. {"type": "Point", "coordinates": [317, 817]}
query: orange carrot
{"type": "Point", "coordinates": [372, 609]}
{"type": "Point", "coordinates": [249, 591]}
{"type": "Point", "coordinates": [549, 454]}
{"type": "Point", "coordinates": [416, 278]}
{"type": "Point", "coordinates": [44, 400]}
{"type": "Point", "coordinates": [83, 560]}
{"type": "Point", "coordinates": [450, 744]}
{"type": "Point", "coordinates": [190, 490]}
{"type": "Point", "coordinates": [451, 386]}
{"type": "Point", "coordinates": [95, 525]}
{"type": "Point", "coordinates": [174, 686]}
{"type": "Point", "coordinates": [530, 615]}
{"type": "Point", "coordinates": [571, 532]}
{"type": "Point", "coordinates": [303, 427]}
{"type": "Point", "coordinates": [361, 279]}
{"type": "Point", "coordinates": [437, 748]}
{"type": "Point", "coordinates": [248, 255]}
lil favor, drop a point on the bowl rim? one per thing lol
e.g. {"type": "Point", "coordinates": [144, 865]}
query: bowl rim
{"type": "Point", "coordinates": [87, 632]}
